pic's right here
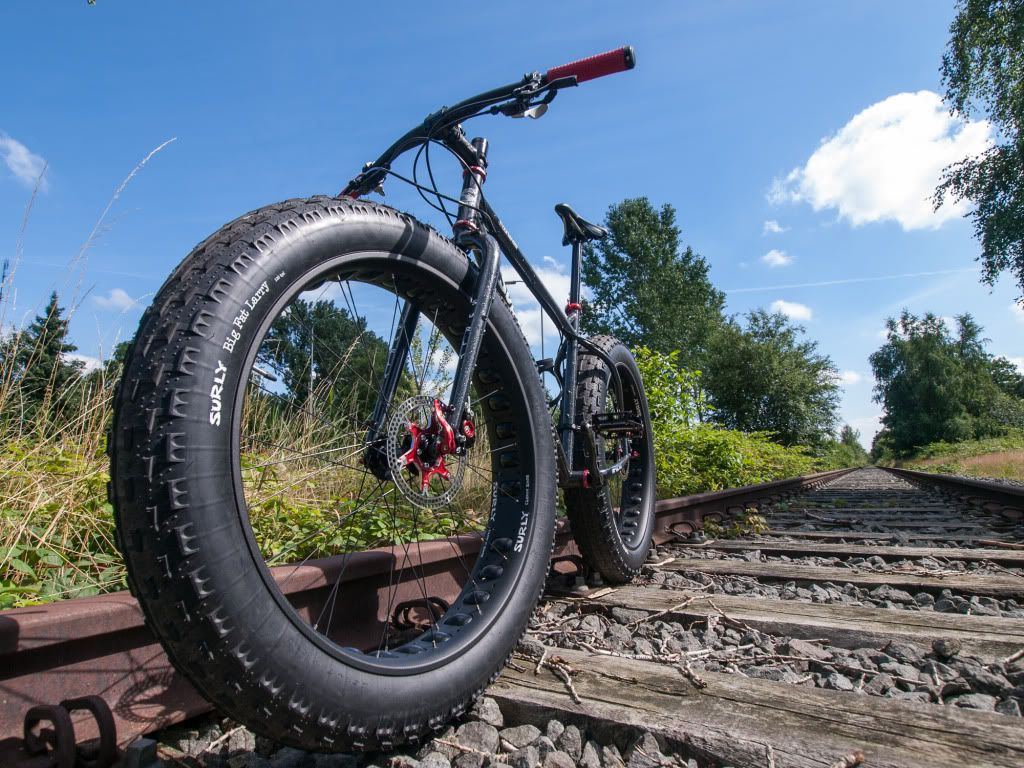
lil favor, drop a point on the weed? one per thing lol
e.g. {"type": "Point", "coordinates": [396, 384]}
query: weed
{"type": "Point", "coordinates": [749, 523]}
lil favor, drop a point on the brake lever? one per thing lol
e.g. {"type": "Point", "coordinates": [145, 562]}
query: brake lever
{"type": "Point", "coordinates": [525, 105]}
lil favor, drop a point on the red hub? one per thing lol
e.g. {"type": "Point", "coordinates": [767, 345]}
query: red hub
{"type": "Point", "coordinates": [430, 445]}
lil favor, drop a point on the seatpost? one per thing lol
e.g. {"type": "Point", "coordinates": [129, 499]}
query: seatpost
{"type": "Point", "coordinates": [573, 309]}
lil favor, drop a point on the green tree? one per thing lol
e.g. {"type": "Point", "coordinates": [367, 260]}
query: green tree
{"type": "Point", "coordinates": [693, 456]}
{"type": "Point", "coordinates": [983, 72]}
{"type": "Point", "coordinates": [765, 378]}
{"type": "Point", "coordinates": [934, 385]}
{"type": "Point", "coordinates": [1007, 376]}
{"type": "Point", "coordinates": [846, 451]}
{"type": "Point", "coordinates": [320, 350]}
{"type": "Point", "coordinates": [850, 437]}
{"type": "Point", "coordinates": [647, 289]}
{"type": "Point", "coordinates": [38, 362]}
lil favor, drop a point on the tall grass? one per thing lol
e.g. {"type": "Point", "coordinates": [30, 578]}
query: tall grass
{"type": "Point", "coordinates": [56, 528]}
{"type": "Point", "coordinates": [1000, 457]}
{"type": "Point", "coordinates": [308, 494]}
{"type": "Point", "coordinates": [306, 491]}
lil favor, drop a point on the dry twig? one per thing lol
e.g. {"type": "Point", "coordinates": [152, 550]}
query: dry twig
{"type": "Point", "coordinates": [540, 662]}
{"type": "Point", "coordinates": [851, 760]}
{"type": "Point", "coordinates": [693, 677]}
{"type": "Point", "coordinates": [564, 672]}
{"type": "Point", "coordinates": [1014, 656]}
{"type": "Point", "coordinates": [659, 614]}
{"type": "Point", "coordinates": [222, 738]}
{"type": "Point", "coordinates": [471, 750]}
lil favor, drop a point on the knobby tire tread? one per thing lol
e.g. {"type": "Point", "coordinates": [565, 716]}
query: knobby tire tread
{"type": "Point", "coordinates": [594, 527]}
{"type": "Point", "coordinates": [188, 622]}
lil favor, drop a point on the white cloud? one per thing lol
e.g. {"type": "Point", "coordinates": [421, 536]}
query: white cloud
{"type": "Point", "coordinates": [1018, 361]}
{"type": "Point", "coordinates": [1017, 310]}
{"type": "Point", "coordinates": [89, 363]}
{"type": "Point", "coordinates": [792, 310]}
{"type": "Point", "coordinates": [772, 227]}
{"type": "Point", "coordinates": [117, 298]}
{"type": "Point", "coordinates": [850, 377]}
{"type": "Point", "coordinates": [777, 258]}
{"type": "Point", "coordinates": [22, 162]}
{"type": "Point", "coordinates": [884, 164]}
{"type": "Point", "coordinates": [527, 309]}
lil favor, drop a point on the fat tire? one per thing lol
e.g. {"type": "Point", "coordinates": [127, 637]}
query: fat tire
{"type": "Point", "coordinates": [196, 584]}
{"type": "Point", "coordinates": [596, 527]}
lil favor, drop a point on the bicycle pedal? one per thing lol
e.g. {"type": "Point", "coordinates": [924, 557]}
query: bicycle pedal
{"type": "Point", "coordinates": [618, 423]}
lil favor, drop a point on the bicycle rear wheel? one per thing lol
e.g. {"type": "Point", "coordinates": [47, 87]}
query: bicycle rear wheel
{"type": "Point", "coordinates": [613, 523]}
{"type": "Point", "coordinates": [324, 602]}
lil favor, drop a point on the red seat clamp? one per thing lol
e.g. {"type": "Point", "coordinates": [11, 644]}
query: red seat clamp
{"type": "Point", "coordinates": [573, 306]}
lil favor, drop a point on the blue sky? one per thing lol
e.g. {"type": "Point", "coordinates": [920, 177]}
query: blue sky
{"type": "Point", "coordinates": [797, 141]}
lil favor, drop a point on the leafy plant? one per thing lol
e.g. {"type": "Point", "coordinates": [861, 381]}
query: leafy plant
{"type": "Point", "coordinates": [748, 524]}
{"type": "Point", "coordinates": [693, 457]}
{"type": "Point", "coordinates": [983, 72]}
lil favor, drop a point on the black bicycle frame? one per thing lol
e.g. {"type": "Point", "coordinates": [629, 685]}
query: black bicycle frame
{"type": "Point", "coordinates": [480, 232]}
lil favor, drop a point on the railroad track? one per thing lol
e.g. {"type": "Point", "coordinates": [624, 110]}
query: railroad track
{"type": "Point", "coordinates": [879, 620]}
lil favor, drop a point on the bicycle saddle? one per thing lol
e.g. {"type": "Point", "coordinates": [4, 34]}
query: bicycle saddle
{"type": "Point", "coordinates": [578, 229]}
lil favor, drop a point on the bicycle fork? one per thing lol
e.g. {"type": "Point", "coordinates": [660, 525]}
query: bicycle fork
{"type": "Point", "coordinates": [471, 236]}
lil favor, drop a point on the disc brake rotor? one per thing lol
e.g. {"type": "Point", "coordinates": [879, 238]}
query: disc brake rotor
{"type": "Point", "coordinates": [421, 451]}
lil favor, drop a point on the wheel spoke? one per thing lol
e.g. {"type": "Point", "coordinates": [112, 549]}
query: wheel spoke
{"type": "Point", "coordinates": [304, 439]}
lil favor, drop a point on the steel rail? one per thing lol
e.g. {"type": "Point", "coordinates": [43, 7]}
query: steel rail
{"type": "Point", "coordinates": [1007, 500]}
{"type": "Point", "coordinates": [101, 645]}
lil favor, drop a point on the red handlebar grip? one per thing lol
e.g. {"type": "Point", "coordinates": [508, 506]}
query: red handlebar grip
{"type": "Point", "coordinates": [593, 67]}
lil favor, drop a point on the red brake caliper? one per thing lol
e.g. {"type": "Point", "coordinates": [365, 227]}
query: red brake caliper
{"type": "Point", "coordinates": [438, 427]}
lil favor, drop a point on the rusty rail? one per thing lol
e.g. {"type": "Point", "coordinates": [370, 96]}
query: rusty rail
{"type": "Point", "coordinates": [1007, 500]}
{"type": "Point", "coordinates": [101, 645]}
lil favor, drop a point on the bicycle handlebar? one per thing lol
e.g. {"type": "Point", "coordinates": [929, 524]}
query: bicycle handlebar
{"type": "Point", "coordinates": [593, 67]}
{"type": "Point", "coordinates": [529, 87]}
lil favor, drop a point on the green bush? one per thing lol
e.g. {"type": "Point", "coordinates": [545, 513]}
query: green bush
{"type": "Point", "coordinates": [1011, 441]}
{"type": "Point", "coordinates": [694, 457]}
{"type": "Point", "coordinates": [836, 455]}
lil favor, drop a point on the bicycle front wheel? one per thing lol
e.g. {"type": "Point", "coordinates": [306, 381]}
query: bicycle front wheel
{"type": "Point", "coordinates": [329, 593]}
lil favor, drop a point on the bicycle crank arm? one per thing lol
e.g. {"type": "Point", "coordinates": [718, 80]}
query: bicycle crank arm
{"type": "Point", "coordinates": [594, 475]}
{"type": "Point", "coordinates": [472, 338]}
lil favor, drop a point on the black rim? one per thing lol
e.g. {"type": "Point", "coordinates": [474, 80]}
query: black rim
{"type": "Point", "coordinates": [628, 489]}
{"type": "Point", "coordinates": [296, 450]}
